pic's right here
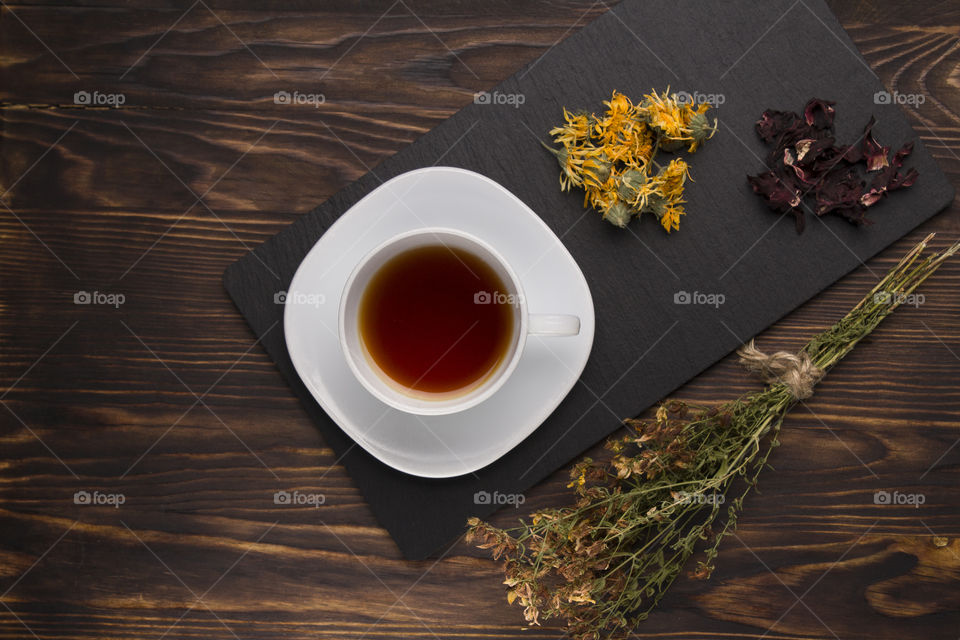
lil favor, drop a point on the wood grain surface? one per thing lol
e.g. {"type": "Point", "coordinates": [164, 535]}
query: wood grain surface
{"type": "Point", "coordinates": [167, 400]}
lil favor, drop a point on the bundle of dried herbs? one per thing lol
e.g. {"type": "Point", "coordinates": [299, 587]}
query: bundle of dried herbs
{"type": "Point", "coordinates": [605, 562]}
{"type": "Point", "coordinates": [612, 157]}
{"type": "Point", "coordinates": [806, 160]}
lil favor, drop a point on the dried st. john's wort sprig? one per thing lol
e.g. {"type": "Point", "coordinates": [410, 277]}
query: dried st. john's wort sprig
{"type": "Point", "coordinates": [612, 156]}
{"type": "Point", "coordinates": [806, 160]}
{"type": "Point", "coordinates": [674, 486]}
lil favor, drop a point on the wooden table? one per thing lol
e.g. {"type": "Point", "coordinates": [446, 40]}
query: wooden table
{"type": "Point", "coordinates": [167, 401]}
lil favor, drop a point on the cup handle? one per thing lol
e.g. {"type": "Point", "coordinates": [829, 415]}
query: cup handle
{"type": "Point", "coordinates": [543, 324]}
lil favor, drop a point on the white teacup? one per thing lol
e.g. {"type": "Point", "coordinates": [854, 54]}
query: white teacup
{"type": "Point", "coordinates": [380, 384]}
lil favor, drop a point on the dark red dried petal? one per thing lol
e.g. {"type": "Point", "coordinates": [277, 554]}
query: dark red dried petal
{"type": "Point", "coordinates": [902, 154]}
{"type": "Point", "coordinates": [819, 113]}
{"type": "Point", "coordinates": [799, 222]}
{"type": "Point", "coordinates": [773, 123]}
{"type": "Point", "coordinates": [874, 153]}
{"type": "Point", "coordinates": [890, 179]}
{"type": "Point", "coordinates": [852, 154]}
{"type": "Point", "coordinates": [806, 159]}
{"type": "Point", "coordinates": [780, 192]}
{"type": "Point", "coordinates": [842, 191]}
{"type": "Point", "coordinates": [872, 197]}
{"type": "Point", "coordinates": [857, 214]}
{"type": "Point", "coordinates": [905, 181]}
{"type": "Point", "coordinates": [899, 181]}
{"type": "Point", "coordinates": [810, 150]}
{"type": "Point", "coordinates": [830, 159]}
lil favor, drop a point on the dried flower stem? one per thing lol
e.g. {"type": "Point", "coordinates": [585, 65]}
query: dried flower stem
{"type": "Point", "coordinates": [605, 562]}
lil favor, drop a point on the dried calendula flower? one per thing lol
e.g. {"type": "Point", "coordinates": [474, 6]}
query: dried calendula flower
{"type": "Point", "coordinates": [575, 130]}
{"type": "Point", "coordinates": [701, 129]}
{"type": "Point", "coordinates": [667, 118]}
{"type": "Point", "coordinates": [612, 156]}
{"type": "Point", "coordinates": [672, 179]}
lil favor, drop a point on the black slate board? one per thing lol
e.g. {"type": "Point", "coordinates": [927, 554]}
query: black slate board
{"type": "Point", "coordinates": [757, 54]}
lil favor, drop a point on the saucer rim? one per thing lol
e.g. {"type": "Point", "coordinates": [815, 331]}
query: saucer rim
{"type": "Point", "coordinates": [537, 416]}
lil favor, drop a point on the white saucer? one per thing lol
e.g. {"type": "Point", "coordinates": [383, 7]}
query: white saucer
{"type": "Point", "coordinates": [446, 445]}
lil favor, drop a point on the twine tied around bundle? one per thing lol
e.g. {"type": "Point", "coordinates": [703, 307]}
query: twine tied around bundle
{"type": "Point", "coordinates": [794, 371]}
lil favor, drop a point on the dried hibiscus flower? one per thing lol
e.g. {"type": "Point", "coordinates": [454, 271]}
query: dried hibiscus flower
{"type": "Point", "coordinates": [806, 160]}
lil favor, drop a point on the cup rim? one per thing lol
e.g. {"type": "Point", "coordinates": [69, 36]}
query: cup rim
{"type": "Point", "coordinates": [397, 399]}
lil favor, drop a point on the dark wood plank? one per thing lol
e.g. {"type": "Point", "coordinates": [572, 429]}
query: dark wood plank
{"type": "Point", "coordinates": [200, 499]}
